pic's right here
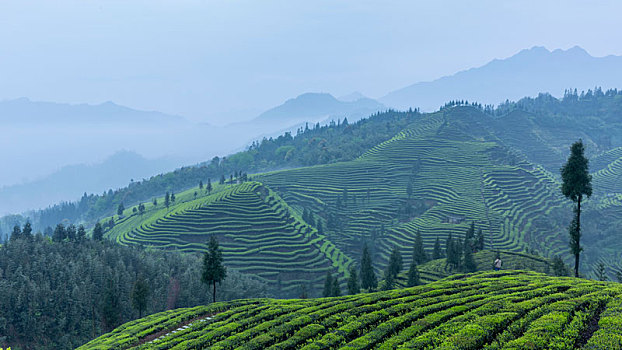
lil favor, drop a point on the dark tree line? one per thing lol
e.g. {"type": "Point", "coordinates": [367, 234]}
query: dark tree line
{"type": "Point", "coordinates": [58, 294]}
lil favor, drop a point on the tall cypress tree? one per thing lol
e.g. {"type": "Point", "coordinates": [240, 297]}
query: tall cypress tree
{"type": "Point", "coordinates": [395, 262]}
{"type": "Point", "coordinates": [336, 290]}
{"type": "Point", "coordinates": [389, 279]}
{"type": "Point", "coordinates": [468, 263]}
{"type": "Point", "coordinates": [576, 183]}
{"type": "Point", "coordinates": [479, 240]}
{"type": "Point", "coordinates": [139, 295]}
{"type": "Point", "coordinates": [413, 275]}
{"type": "Point", "coordinates": [213, 269]}
{"type": "Point", "coordinates": [328, 285]}
{"type": "Point", "coordinates": [438, 253]}
{"type": "Point", "coordinates": [353, 282]}
{"type": "Point", "coordinates": [449, 246]}
{"type": "Point", "coordinates": [419, 254]}
{"type": "Point", "coordinates": [368, 276]}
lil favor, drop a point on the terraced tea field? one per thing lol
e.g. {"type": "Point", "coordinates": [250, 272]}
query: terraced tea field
{"type": "Point", "coordinates": [457, 178]}
{"type": "Point", "coordinates": [438, 269]}
{"type": "Point", "coordinates": [439, 174]}
{"type": "Point", "coordinates": [503, 310]}
{"type": "Point", "coordinates": [258, 232]}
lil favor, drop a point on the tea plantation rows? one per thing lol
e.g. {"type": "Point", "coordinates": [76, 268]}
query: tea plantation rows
{"type": "Point", "coordinates": [456, 179]}
{"type": "Point", "coordinates": [258, 232]}
{"type": "Point", "coordinates": [501, 310]}
{"type": "Point", "coordinates": [435, 177]}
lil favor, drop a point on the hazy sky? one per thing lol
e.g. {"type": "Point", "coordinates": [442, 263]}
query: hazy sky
{"type": "Point", "coordinates": [218, 60]}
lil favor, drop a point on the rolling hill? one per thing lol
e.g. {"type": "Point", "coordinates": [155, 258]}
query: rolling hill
{"type": "Point", "coordinates": [501, 310]}
{"type": "Point", "coordinates": [526, 73]}
{"type": "Point", "coordinates": [259, 233]}
{"type": "Point", "coordinates": [439, 174]}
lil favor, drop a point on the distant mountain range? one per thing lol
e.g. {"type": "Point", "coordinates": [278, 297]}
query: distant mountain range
{"type": "Point", "coordinates": [25, 111]}
{"type": "Point", "coordinates": [527, 73]}
{"type": "Point", "coordinates": [71, 181]}
{"type": "Point", "coordinates": [77, 134]}
{"type": "Point", "coordinates": [307, 108]}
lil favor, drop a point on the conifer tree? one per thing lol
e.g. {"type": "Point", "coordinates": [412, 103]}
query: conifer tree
{"type": "Point", "coordinates": [458, 251]}
{"type": "Point", "coordinates": [601, 272]}
{"type": "Point", "coordinates": [336, 290]}
{"type": "Point", "coordinates": [139, 295]}
{"type": "Point", "coordinates": [368, 276]}
{"type": "Point", "coordinates": [328, 285]}
{"type": "Point", "coordinates": [17, 232]}
{"type": "Point", "coordinates": [71, 232]}
{"type": "Point", "coordinates": [200, 184]}
{"type": "Point", "coordinates": [480, 240]}
{"type": "Point", "coordinates": [576, 183]}
{"type": "Point", "coordinates": [213, 269]}
{"type": "Point", "coordinates": [172, 197]}
{"type": "Point", "coordinates": [98, 232]}
{"type": "Point", "coordinates": [448, 247]}
{"type": "Point", "coordinates": [395, 262]}
{"type": "Point", "coordinates": [111, 306]}
{"type": "Point", "coordinates": [419, 254]}
{"type": "Point", "coordinates": [468, 263]}
{"type": "Point", "coordinates": [167, 200]}
{"type": "Point", "coordinates": [120, 209]}
{"type": "Point", "coordinates": [209, 186]}
{"type": "Point", "coordinates": [438, 253]}
{"type": "Point", "coordinates": [413, 275]}
{"type": "Point", "coordinates": [59, 233]}
{"type": "Point", "coordinates": [389, 279]}
{"type": "Point", "coordinates": [27, 230]}
{"type": "Point", "coordinates": [81, 234]}
{"type": "Point", "coordinates": [353, 282]}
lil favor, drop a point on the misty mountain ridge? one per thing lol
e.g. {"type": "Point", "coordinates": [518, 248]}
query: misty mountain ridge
{"type": "Point", "coordinates": [313, 105]}
{"type": "Point", "coordinates": [526, 73]}
{"type": "Point", "coordinates": [24, 111]}
{"type": "Point", "coordinates": [71, 181]}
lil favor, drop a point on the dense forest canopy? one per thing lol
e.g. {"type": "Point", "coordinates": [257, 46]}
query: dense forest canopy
{"type": "Point", "coordinates": [58, 295]}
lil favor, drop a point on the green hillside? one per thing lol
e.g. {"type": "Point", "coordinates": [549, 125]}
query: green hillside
{"type": "Point", "coordinates": [504, 310]}
{"type": "Point", "coordinates": [436, 176]}
{"type": "Point", "coordinates": [458, 176]}
{"type": "Point", "coordinates": [258, 232]}
{"type": "Point", "coordinates": [438, 269]}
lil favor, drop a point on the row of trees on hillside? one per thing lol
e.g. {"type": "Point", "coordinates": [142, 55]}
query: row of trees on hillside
{"type": "Point", "coordinates": [58, 293]}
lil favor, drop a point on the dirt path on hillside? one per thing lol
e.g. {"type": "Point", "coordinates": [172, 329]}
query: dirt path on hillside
{"type": "Point", "coordinates": [179, 327]}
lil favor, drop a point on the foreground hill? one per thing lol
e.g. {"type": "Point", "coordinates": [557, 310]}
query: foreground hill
{"type": "Point", "coordinates": [503, 310]}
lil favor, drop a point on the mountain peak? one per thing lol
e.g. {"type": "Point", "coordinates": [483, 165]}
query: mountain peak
{"type": "Point", "coordinates": [527, 73]}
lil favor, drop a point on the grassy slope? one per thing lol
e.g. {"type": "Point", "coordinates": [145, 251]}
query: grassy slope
{"type": "Point", "coordinates": [505, 310]}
